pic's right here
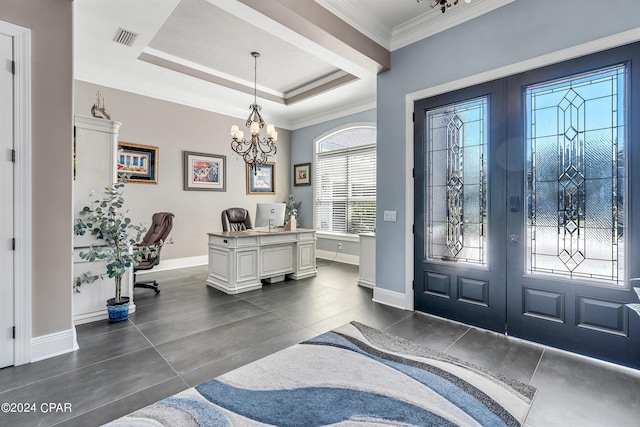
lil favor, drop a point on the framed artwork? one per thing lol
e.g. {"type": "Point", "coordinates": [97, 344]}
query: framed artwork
{"type": "Point", "coordinates": [262, 182]}
{"type": "Point", "coordinates": [302, 174]}
{"type": "Point", "coordinates": [204, 172]}
{"type": "Point", "coordinates": [139, 162]}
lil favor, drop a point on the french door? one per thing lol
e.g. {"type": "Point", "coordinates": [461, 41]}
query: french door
{"type": "Point", "coordinates": [526, 202]}
{"type": "Point", "coordinates": [460, 206]}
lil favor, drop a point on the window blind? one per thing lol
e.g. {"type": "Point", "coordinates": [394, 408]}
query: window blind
{"type": "Point", "coordinates": [346, 190]}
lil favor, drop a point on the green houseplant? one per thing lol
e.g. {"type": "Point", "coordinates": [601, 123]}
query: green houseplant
{"type": "Point", "coordinates": [117, 237]}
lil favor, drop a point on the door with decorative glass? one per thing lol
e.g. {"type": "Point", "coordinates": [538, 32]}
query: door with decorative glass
{"type": "Point", "coordinates": [460, 206]}
{"type": "Point", "coordinates": [571, 232]}
{"type": "Point", "coordinates": [526, 201]}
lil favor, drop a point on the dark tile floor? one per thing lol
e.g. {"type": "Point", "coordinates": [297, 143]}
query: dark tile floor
{"type": "Point", "coordinates": [190, 333]}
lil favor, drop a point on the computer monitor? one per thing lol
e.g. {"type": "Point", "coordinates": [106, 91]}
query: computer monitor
{"type": "Point", "coordinates": [270, 215]}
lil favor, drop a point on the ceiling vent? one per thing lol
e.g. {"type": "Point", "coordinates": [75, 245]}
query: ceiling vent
{"type": "Point", "coordinates": [125, 37]}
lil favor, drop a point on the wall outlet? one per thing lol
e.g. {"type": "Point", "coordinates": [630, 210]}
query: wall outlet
{"type": "Point", "coordinates": [339, 246]}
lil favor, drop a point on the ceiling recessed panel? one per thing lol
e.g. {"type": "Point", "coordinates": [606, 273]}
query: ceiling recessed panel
{"type": "Point", "coordinates": [204, 34]}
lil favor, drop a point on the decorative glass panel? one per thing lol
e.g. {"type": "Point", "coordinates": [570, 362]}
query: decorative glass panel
{"type": "Point", "coordinates": [575, 176]}
{"type": "Point", "coordinates": [456, 182]}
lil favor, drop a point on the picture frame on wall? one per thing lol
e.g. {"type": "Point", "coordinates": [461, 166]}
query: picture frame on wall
{"type": "Point", "coordinates": [302, 174]}
{"type": "Point", "coordinates": [139, 162]}
{"type": "Point", "coordinates": [204, 171]}
{"type": "Point", "coordinates": [262, 182]}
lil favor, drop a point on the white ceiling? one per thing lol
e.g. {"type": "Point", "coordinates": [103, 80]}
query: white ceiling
{"type": "Point", "coordinates": [197, 52]}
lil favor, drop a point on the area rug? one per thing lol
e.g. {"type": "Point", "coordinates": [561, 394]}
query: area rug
{"type": "Point", "coordinates": [353, 376]}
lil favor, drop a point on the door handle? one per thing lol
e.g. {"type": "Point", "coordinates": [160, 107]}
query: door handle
{"type": "Point", "coordinates": [514, 204]}
{"type": "Point", "coordinates": [514, 239]}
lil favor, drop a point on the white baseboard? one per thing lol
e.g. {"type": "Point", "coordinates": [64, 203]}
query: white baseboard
{"type": "Point", "coordinates": [366, 283]}
{"type": "Point", "coordinates": [391, 298]}
{"type": "Point", "coordinates": [92, 316]}
{"type": "Point", "coordinates": [172, 264]}
{"type": "Point", "coordinates": [339, 257]}
{"type": "Point", "coordinates": [46, 346]}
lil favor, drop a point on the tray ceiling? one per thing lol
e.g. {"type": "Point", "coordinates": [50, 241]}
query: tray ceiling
{"type": "Point", "coordinates": [319, 59]}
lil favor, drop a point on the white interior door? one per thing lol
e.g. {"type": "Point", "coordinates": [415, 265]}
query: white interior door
{"type": "Point", "coordinates": [6, 203]}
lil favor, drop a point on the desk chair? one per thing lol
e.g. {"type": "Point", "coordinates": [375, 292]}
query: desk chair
{"type": "Point", "coordinates": [236, 219]}
{"type": "Point", "coordinates": [161, 225]}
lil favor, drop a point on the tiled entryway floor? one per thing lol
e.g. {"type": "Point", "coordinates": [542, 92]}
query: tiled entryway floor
{"type": "Point", "coordinates": [190, 333]}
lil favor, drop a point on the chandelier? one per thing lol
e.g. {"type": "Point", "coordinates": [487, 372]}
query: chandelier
{"type": "Point", "coordinates": [443, 4]}
{"type": "Point", "coordinates": [255, 151]}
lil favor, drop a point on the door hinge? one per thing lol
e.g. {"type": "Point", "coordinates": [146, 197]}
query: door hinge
{"type": "Point", "coordinates": [413, 116]}
{"type": "Point", "coordinates": [13, 243]}
{"type": "Point", "coordinates": [413, 172]}
{"type": "Point", "coordinates": [13, 155]}
{"type": "Point", "coordinates": [413, 228]}
{"type": "Point", "coordinates": [413, 284]}
{"type": "Point", "coordinates": [13, 67]}
{"type": "Point", "coordinates": [13, 332]}
{"type": "Point", "coordinates": [74, 131]}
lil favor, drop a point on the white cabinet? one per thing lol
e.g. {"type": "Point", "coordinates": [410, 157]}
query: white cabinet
{"type": "Point", "coordinates": [96, 144]}
{"type": "Point", "coordinates": [367, 273]}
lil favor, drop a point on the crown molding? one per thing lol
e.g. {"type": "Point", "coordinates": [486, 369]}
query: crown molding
{"type": "Point", "coordinates": [334, 114]}
{"type": "Point", "coordinates": [428, 24]}
{"type": "Point", "coordinates": [368, 23]}
{"type": "Point", "coordinates": [431, 22]}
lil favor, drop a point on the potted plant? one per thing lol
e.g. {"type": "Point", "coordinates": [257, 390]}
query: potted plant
{"type": "Point", "coordinates": [291, 213]}
{"type": "Point", "coordinates": [116, 248]}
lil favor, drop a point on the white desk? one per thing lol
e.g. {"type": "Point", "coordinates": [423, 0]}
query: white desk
{"type": "Point", "coordinates": [238, 260]}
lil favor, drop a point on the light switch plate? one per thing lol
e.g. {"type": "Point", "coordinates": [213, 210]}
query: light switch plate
{"type": "Point", "coordinates": [390, 216]}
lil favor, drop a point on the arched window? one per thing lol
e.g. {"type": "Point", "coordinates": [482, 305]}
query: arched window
{"type": "Point", "coordinates": [345, 181]}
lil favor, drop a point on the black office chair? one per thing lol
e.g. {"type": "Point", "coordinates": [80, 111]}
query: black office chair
{"type": "Point", "coordinates": [162, 223]}
{"type": "Point", "coordinates": [236, 219]}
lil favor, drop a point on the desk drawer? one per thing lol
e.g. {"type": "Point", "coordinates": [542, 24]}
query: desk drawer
{"type": "Point", "coordinates": [233, 242]}
{"type": "Point", "coordinates": [219, 241]}
{"type": "Point", "coordinates": [267, 239]}
{"type": "Point", "coordinates": [306, 236]}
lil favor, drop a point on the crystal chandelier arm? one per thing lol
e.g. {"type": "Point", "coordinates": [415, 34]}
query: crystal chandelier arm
{"type": "Point", "coordinates": [267, 146]}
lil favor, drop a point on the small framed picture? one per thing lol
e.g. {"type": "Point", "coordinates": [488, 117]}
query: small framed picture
{"type": "Point", "coordinates": [139, 162]}
{"type": "Point", "coordinates": [263, 181]}
{"type": "Point", "coordinates": [204, 172]}
{"type": "Point", "coordinates": [302, 174]}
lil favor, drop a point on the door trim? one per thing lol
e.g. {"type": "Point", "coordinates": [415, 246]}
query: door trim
{"type": "Point", "coordinates": [22, 186]}
{"type": "Point", "coordinates": [583, 49]}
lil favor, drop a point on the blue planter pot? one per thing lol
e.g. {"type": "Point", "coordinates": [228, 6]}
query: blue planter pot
{"type": "Point", "coordinates": [118, 312]}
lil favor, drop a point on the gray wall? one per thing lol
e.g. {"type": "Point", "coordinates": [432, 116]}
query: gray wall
{"type": "Point", "coordinates": [50, 22]}
{"type": "Point", "coordinates": [303, 151]}
{"type": "Point", "coordinates": [174, 128]}
{"type": "Point", "coordinates": [521, 30]}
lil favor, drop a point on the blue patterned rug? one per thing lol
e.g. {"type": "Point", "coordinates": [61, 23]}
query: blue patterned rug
{"type": "Point", "coordinates": [353, 376]}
